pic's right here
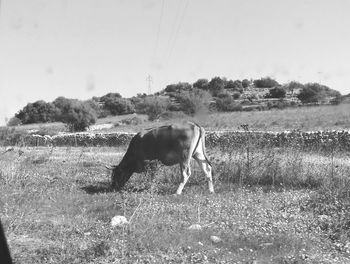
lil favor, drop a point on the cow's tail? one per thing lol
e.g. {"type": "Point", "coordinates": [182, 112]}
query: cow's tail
{"type": "Point", "coordinates": [202, 134]}
{"type": "Point", "coordinates": [202, 138]}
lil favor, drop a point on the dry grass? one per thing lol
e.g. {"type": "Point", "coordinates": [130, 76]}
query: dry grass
{"type": "Point", "coordinates": [304, 118]}
{"type": "Point", "coordinates": [56, 207]}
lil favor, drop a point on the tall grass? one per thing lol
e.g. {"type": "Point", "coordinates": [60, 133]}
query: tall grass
{"type": "Point", "coordinates": [56, 207]}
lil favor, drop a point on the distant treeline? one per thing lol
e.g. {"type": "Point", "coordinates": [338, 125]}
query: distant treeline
{"type": "Point", "coordinates": [218, 94]}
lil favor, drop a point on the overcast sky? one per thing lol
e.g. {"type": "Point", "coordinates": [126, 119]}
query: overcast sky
{"type": "Point", "coordinates": [84, 48]}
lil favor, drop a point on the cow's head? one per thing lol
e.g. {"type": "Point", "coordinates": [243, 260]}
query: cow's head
{"type": "Point", "coordinates": [119, 177]}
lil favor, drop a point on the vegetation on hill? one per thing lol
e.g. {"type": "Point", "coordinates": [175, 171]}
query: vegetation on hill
{"type": "Point", "coordinates": [217, 94]}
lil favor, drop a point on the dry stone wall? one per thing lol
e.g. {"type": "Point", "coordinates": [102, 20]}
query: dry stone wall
{"type": "Point", "coordinates": [222, 139]}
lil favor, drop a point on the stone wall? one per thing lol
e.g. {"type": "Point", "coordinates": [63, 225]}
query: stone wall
{"type": "Point", "coordinates": [222, 139]}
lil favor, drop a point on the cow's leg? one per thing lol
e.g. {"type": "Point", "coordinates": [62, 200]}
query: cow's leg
{"type": "Point", "coordinates": [185, 173]}
{"type": "Point", "coordinates": [206, 168]}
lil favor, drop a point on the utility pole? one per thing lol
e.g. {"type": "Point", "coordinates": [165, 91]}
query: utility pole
{"type": "Point", "coordinates": [150, 81]}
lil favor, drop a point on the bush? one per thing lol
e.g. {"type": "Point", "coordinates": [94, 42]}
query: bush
{"type": "Point", "coordinates": [236, 96]}
{"type": "Point", "coordinates": [315, 92]}
{"type": "Point", "coordinates": [245, 83]}
{"type": "Point", "coordinates": [277, 92]}
{"type": "Point", "coordinates": [14, 121]}
{"type": "Point", "coordinates": [266, 82]}
{"type": "Point", "coordinates": [202, 84]}
{"type": "Point", "coordinates": [37, 112]}
{"type": "Point", "coordinates": [77, 115]}
{"type": "Point", "coordinates": [217, 85]}
{"type": "Point", "coordinates": [181, 86]}
{"type": "Point", "coordinates": [153, 106]}
{"type": "Point", "coordinates": [227, 104]}
{"type": "Point", "coordinates": [119, 106]}
{"type": "Point", "coordinates": [234, 85]}
{"type": "Point", "coordinates": [194, 102]}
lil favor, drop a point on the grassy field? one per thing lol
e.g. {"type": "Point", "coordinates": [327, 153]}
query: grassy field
{"type": "Point", "coordinates": [303, 118]}
{"type": "Point", "coordinates": [272, 205]}
{"type": "Point", "coordinates": [277, 206]}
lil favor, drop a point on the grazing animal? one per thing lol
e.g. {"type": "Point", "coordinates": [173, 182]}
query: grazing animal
{"type": "Point", "coordinates": [173, 144]}
{"type": "Point", "coordinates": [5, 255]}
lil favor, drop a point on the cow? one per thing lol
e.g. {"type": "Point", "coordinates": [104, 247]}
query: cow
{"type": "Point", "coordinates": [172, 144]}
{"type": "Point", "coordinates": [5, 255]}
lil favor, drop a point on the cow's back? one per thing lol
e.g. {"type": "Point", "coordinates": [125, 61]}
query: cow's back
{"type": "Point", "coordinates": [175, 139]}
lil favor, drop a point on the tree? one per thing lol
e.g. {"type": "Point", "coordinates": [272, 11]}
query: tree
{"type": "Point", "coordinates": [234, 85]}
{"type": "Point", "coordinates": [236, 95]}
{"type": "Point", "coordinates": [202, 84]}
{"type": "Point", "coordinates": [181, 86]}
{"type": "Point", "coordinates": [194, 102]}
{"type": "Point", "coordinates": [119, 106]}
{"type": "Point", "coordinates": [217, 85]}
{"type": "Point", "coordinates": [100, 113]}
{"type": "Point", "coordinates": [245, 83]}
{"type": "Point", "coordinates": [315, 92]}
{"type": "Point", "coordinates": [294, 85]}
{"type": "Point", "coordinates": [266, 82]}
{"type": "Point", "coordinates": [309, 95]}
{"type": "Point", "coordinates": [110, 96]}
{"type": "Point", "coordinates": [77, 115]}
{"type": "Point", "coordinates": [227, 104]}
{"type": "Point", "coordinates": [277, 92]}
{"type": "Point", "coordinates": [37, 112]}
{"type": "Point", "coordinates": [14, 121]}
{"type": "Point", "coordinates": [153, 106]}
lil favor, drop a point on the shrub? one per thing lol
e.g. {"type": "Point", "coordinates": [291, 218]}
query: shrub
{"type": "Point", "coordinates": [194, 102]}
{"type": "Point", "coordinates": [266, 82]}
{"type": "Point", "coordinates": [202, 84]}
{"type": "Point", "coordinates": [277, 92]}
{"type": "Point", "coordinates": [234, 85]}
{"type": "Point", "coordinates": [77, 115]}
{"type": "Point", "coordinates": [181, 86]}
{"type": "Point", "coordinates": [217, 85]}
{"type": "Point", "coordinates": [236, 95]}
{"type": "Point", "coordinates": [14, 121]}
{"type": "Point", "coordinates": [119, 106]}
{"type": "Point", "coordinates": [315, 92]}
{"type": "Point", "coordinates": [37, 112]}
{"type": "Point", "coordinates": [227, 103]}
{"type": "Point", "coordinates": [245, 83]}
{"type": "Point", "coordinates": [153, 106]}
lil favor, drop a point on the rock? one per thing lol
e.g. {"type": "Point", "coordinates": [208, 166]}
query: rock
{"type": "Point", "coordinates": [215, 239]}
{"type": "Point", "coordinates": [195, 227]}
{"type": "Point", "coordinates": [119, 220]}
{"type": "Point", "coordinates": [266, 244]}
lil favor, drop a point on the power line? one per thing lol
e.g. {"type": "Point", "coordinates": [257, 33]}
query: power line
{"type": "Point", "coordinates": [178, 29]}
{"type": "Point", "coordinates": [171, 37]}
{"type": "Point", "coordinates": [158, 31]}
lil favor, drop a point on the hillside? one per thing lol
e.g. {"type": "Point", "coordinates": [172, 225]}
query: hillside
{"type": "Point", "coordinates": [181, 100]}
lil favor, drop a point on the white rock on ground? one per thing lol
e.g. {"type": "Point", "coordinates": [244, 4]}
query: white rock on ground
{"type": "Point", "coordinates": [215, 239]}
{"type": "Point", "coordinates": [119, 220]}
{"type": "Point", "coordinates": [195, 227]}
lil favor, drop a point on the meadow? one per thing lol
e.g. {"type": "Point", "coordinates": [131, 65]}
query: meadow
{"type": "Point", "coordinates": [285, 206]}
{"type": "Point", "coordinates": [325, 117]}
{"type": "Point", "coordinates": [272, 205]}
